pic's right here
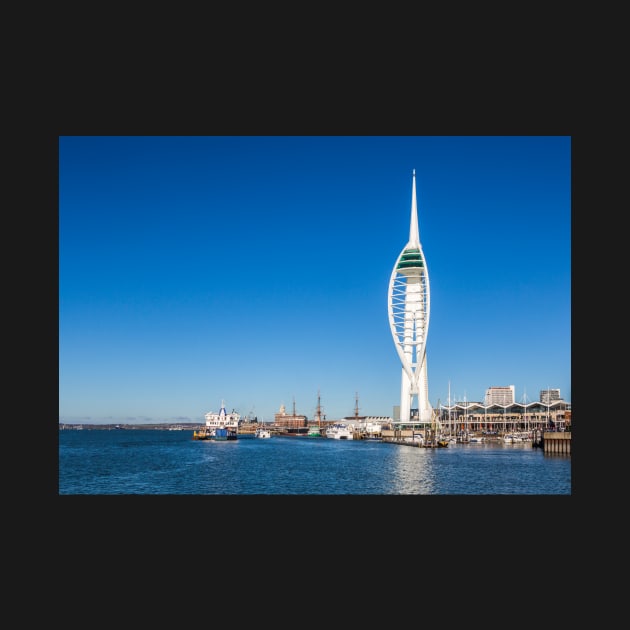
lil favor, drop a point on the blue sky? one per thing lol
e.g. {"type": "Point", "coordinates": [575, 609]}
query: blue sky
{"type": "Point", "coordinates": [255, 270]}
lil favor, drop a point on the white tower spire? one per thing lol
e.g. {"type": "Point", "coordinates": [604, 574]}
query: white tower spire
{"type": "Point", "coordinates": [414, 233]}
{"type": "Point", "coordinates": [409, 308]}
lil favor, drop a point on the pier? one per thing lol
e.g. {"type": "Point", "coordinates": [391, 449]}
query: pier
{"type": "Point", "coordinates": [411, 437]}
{"type": "Point", "coordinates": [556, 442]}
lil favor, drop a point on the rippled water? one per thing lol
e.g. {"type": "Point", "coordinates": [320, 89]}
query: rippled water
{"type": "Point", "coordinates": [146, 461]}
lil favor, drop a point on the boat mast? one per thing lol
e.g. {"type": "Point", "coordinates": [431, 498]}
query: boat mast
{"type": "Point", "coordinates": [465, 415]}
{"type": "Point", "coordinates": [318, 413]}
{"type": "Point", "coordinates": [548, 404]}
{"type": "Point", "coordinates": [356, 405]}
{"type": "Point", "coordinates": [450, 426]}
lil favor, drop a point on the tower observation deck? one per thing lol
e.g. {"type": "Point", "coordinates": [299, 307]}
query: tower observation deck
{"type": "Point", "coordinates": [409, 308]}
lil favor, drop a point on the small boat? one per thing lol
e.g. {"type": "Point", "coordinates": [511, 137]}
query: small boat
{"type": "Point", "coordinates": [475, 439]}
{"type": "Point", "coordinates": [314, 431]}
{"type": "Point", "coordinates": [202, 434]}
{"type": "Point", "coordinates": [262, 433]}
{"type": "Point", "coordinates": [416, 438]}
{"type": "Point", "coordinates": [463, 437]}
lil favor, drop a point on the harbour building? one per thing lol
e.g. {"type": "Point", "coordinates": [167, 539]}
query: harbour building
{"type": "Point", "coordinates": [409, 310]}
{"type": "Point", "coordinates": [501, 418]}
{"type": "Point", "coordinates": [290, 420]}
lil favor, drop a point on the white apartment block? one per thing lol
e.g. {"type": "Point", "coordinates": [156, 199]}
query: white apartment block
{"type": "Point", "coordinates": [500, 396]}
{"type": "Point", "coordinates": [547, 396]}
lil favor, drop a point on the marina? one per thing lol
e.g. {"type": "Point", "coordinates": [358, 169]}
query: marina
{"type": "Point", "coordinates": [549, 441]}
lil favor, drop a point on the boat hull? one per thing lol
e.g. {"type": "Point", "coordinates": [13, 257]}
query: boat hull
{"type": "Point", "coordinates": [296, 432]}
{"type": "Point", "coordinates": [339, 432]}
{"type": "Point", "coordinates": [216, 435]}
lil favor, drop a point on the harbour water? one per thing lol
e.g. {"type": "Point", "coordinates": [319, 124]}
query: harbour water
{"type": "Point", "coordinates": [161, 462]}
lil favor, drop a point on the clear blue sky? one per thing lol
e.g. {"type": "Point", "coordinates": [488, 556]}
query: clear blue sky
{"type": "Point", "coordinates": [255, 270]}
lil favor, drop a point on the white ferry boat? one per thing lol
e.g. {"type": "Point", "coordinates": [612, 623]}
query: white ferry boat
{"type": "Point", "coordinates": [219, 426]}
{"type": "Point", "coordinates": [340, 431]}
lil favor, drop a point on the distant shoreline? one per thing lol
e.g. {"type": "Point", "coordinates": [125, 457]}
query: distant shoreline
{"type": "Point", "coordinates": [73, 426]}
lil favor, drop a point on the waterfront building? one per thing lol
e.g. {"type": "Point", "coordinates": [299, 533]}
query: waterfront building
{"type": "Point", "coordinates": [497, 418]}
{"type": "Point", "coordinates": [289, 421]}
{"type": "Point", "coordinates": [409, 311]}
{"type": "Point", "coordinates": [499, 395]}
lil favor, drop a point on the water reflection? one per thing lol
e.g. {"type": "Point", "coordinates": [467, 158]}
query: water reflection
{"type": "Point", "coordinates": [413, 471]}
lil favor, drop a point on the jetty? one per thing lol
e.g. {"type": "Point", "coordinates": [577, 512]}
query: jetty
{"type": "Point", "coordinates": [556, 442]}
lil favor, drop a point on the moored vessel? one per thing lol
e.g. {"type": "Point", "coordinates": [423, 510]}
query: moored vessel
{"type": "Point", "coordinates": [314, 431]}
{"type": "Point", "coordinates": [339, 431]}
{"type": "Point", "coordinates": [221, 426]}
{"type": "Point", "coordinates": [262, 432]}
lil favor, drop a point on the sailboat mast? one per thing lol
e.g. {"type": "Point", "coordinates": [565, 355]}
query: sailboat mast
{"type": "Point", "coordinates": [319, 410]}
{"type": "Point", "coordinates": [450, 426]}
{"type": "Point", "coordinates": [548, 405]}
{"type": "Point", "coordinates": [465, 415]}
